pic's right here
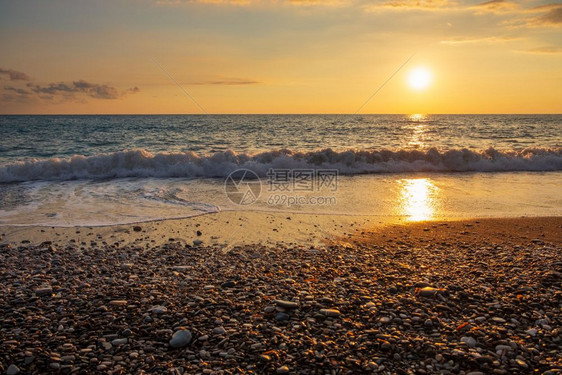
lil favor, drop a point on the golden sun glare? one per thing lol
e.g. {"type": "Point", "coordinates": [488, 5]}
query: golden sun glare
{"type": "Point", "coordinates": [419, 78]}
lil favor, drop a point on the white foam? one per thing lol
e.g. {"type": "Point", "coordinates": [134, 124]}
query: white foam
{"type": "Point", "coordinates": [142, 163]}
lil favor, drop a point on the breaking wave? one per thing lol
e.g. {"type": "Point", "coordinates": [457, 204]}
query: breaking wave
{"type": "Point", "coordinates": [142, 163]}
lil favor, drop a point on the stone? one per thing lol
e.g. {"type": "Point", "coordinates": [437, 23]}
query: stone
{"type": "Point", "coordinates": [117, 342]}
{"type": "Point", "coordinates": [532, 332]}
{"type": "Point", "coordinates": [43, 291]}
{"type": "Point", "coordinates": [503, 347]}
{"type": "Point", "coordinates": [219, 331]}
{"type": "Point", "coordinates": [159, 310]}
{"type": "Point", "coordinates": [118, 302]}
{"type": "Point", "coordinates": [228, 284]}
{"type": "Point", "coordinates": [281, 317]}
{"type": "Point", "coordinates": [137, 228]}
{"type": "Point", "coordinates": [428, 291]}
{"type": "Point", "coordinates": [288, 305]}
{"type": "Point", "coordinates": [330, 312]}
{"type": "Point", "coordinates": [282, 370]}
{"type": "Point", "coordinates": [180, 338]}
{"type": "Point", "coordinates": [13, 370]}
{"type": "Point", "coordinates": [469, 341]}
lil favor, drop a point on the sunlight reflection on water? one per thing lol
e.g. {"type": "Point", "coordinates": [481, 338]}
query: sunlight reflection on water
{"type": "Point", "coordinates": [418, 199]}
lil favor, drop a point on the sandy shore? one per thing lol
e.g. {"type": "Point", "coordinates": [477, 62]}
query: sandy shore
{"type": "Point", "coordinates": [286, 295]}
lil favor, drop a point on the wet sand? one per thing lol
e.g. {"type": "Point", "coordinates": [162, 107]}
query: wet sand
{"type": "Point", "coordinates": [327, 295]}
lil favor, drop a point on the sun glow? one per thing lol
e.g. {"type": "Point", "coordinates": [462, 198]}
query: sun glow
{"type": "Point", "coordinates": [419, 78]}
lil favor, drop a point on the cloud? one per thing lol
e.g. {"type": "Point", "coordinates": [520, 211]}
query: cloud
{"type": "Point", "coordinates": [68, 90]}
{"type": "Point", "coordinates": [63, 92]}
{"type": "Point", "coordinates": [544, 50]}
{"type": "Point", "coordinates": [227, 82]}
{"type": "Point", "coordinates": [315, 2]}
{"type": "Point", "coordinates": [186, 2]}
{"type": "Point", "coordinates": [18, 91]}
{"type": "Point", "coordinates": [250, 2]}
{"type": "Point", "coordinates": [488, 40]}
{"type": "Point", "coordinates": [552, 17]}
{"type": "Point", "coordinates": [15, 94]}
{"type": "Point", "coordinates": [413, 4]}
{"type": "Point", "coordinates": [496, 6]}
{"type": "Point", "coordinates": [14, 75]}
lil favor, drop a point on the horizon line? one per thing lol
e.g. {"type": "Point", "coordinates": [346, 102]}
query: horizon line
{"type": "Point", "coordinates": [276, 114]}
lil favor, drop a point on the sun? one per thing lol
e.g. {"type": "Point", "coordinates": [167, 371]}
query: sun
{"type": "Point", "coordinates": [419, 78]}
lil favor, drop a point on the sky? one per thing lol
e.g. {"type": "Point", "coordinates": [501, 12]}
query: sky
{"type": "Point", "coordinates": [284, 56]}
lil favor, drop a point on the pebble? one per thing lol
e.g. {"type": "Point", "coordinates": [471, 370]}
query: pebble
{"type": "Point", "coordinates": [269, 309]}
{"type": "Point", "coordinates": [503, 347]}
{"type": "Point", "coordinates": [180, 338]}
{"type": "Point", "coordinates": [117, 342]}
{"type": "Point", "coordinates": [13, 370]}
{"type": "Point", "coordinates": [469, 341]}
{"type": "Point", "coordinates": [281, 317]}
{"type": "Point", "coordinates": [532, 332]}
{"type": "Point", "coordinates": [228, 284]}
{"type": "Point", "coordinates": [428, 291]}
{"type": "Point", "coordinates": [159, 310]}
{"type": "Point", "coordinates": [330, 312]}
{"type": "Point", "coordinates": [43, 291]}
{"type": "Point", "coordinates": [282, 370]}
{"type": "Point", "coordinates": [115, 307]}
{"type": "Point", "coordinates": [286, 304]}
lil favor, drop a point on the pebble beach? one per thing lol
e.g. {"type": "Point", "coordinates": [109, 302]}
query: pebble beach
{"type": "Point", "coordinates": [463, 297]}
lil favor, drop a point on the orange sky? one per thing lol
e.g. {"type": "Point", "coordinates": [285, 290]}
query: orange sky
{"type": "Point", "coordinates": [302, 56]}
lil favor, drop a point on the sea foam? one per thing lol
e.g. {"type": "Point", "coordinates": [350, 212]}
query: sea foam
{"type": "Point", "coordinates": [142, 163]}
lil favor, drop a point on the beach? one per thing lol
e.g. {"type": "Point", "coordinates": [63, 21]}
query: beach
{"type": "Point", "coordinates": [350, 295]}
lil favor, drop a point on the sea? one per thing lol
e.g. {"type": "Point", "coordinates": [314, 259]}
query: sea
{"type": "Point", "coordinates": [92, 170]}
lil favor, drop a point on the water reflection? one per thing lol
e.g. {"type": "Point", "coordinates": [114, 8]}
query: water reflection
{"type": "Point", "coordinates": [418, 199]}
{"type": "Point", "coordinates": [417, 117]}
{"type": "Point", "coordinates": [419, 130]}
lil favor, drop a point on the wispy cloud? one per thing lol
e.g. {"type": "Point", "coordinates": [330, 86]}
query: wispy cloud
{"type": "Point", "coordinates": [543, 50]}
{"type": "Point", "coordinates": [412, 4]}
{"type": "Point", "coordinates": [488, 40]}
{"type": "Point", "coordinates": [496, 6]}
{"type": "Point", "coordinates": [92, 90]}
{"type": "Point", "coordinates": [551, 17]}
{"type": "Point", "coordinates": [14, 75]}
{"type": "Point", "coordinates": [251, 2]}
{"type": "Point", "coordinates": [226, 82]}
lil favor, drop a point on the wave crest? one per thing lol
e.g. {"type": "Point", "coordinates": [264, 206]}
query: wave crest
{"type": "Point", "coordinates": [142, 163]}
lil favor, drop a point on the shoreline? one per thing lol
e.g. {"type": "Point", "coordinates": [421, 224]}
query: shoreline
{"type": "Point", "coordinates": [228, 229]}
{"type": "Point", "coordinates": [458, 297]}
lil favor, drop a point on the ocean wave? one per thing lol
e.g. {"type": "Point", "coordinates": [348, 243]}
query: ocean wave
{"type": "Point", "coordinates": [142, 163]}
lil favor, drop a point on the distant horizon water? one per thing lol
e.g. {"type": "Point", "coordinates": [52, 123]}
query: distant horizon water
{"type": "Point", "coordinates": [112, 169]}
